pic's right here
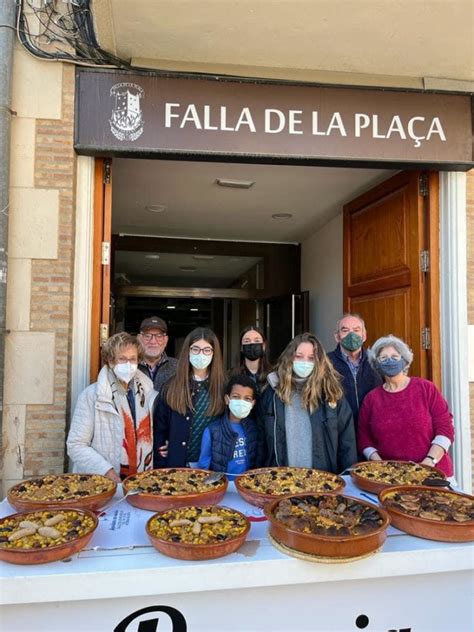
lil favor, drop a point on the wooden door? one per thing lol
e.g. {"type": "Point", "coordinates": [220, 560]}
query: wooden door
{"type": "Point", "coordinates": [100, 318]}
{"type": "Point", "coordinates": [391, 259]}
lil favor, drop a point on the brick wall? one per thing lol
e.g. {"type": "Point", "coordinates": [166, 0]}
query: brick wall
{"type": "Point", "coordinates": [52, 285]}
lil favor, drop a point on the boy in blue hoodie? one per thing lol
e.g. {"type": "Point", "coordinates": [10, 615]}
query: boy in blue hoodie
{"type": "Point", "coordinates": [230, 444]}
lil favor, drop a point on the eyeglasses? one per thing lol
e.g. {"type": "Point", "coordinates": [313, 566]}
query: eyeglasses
{"type": "Point", "coordinates": [149, 337]}
{"type": "Point", "coordinates": [197, 350]}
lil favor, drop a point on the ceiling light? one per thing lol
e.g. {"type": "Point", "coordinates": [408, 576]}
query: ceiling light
{"type": "Point", "coordinates": [282, 215]}
{"type": "Point", "coordinates": [152, 256]}
{"type": "Point", "coordinates": [235, 184]}
{"type": "Point", "coordinates": [156, 208]}
{"type": "Point", "coordinates": [193, 309]}
{"type": "Point", "coordinates": [203, 257]}
{"type": "Point", "coordinates": [171, 307]}
{"type": "Point", "coordinates": [188, 268]}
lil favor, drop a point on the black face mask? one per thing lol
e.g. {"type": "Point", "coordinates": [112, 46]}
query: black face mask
{"type": "Point", "coordinates": [253, 351]}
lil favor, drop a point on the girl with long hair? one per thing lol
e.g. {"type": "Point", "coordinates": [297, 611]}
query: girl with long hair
{"type": "Point", "coordinates": [253, 359]}
{"type": "Point", "coordinates": [304, 416]}
{"type": "Point", "coordinates": [189, 401]}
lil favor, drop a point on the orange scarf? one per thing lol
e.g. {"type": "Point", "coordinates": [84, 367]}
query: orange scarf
{"type": "Point", "coordinates": [137, 444]}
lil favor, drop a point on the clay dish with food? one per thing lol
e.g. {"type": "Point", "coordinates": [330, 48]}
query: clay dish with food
{"type": "Point", "coordinates": [198, 533]}
{"type": "Point", "coordinates": [263, 485]}
{"type": "Point", "coordinates": [327, 525]}
{"type": "Point", "coordinates": [84, 491]}
{"type": "Point", "coordinates": [47, 535]}
{"type": "Point", "coordinates": [433, 514]}
{"type": "Point", "coordinates": [164, 489]}
{"type": "Point", "coordinates": [374, 476]}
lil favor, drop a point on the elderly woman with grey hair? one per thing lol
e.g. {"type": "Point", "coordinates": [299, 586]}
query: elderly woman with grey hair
{"type": "Point", "coordinates": [406, 418]}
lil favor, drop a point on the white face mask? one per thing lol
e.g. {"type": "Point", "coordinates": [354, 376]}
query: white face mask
{"type": "Point", "coordinates": [125, 371]}
{"type": "Point", "coordinates": [200, 361]}
{"type": "Point", "coordinates": [240, 408]}
{"type": "Point", "coordinates": [303, 368]}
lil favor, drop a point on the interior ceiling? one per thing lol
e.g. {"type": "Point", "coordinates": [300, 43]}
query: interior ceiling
{"type": "Point", "coordinates": [197, 207]}
{"type": "Point", "coordinates": [137, 268]}
{"type": "Point", "coordinates": [385, 38]}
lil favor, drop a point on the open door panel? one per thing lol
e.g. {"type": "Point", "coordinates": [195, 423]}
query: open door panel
{"type": "Point", "coordinates": [391, 264]}
{"type": "Point", "coordinates": [100, 317]}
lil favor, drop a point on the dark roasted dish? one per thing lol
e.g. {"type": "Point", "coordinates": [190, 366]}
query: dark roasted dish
{"type": "Point", "coordinates": [327, 525]}
{"type": "Point", "coordinates": [328, 515]}
{"type": "Point", "coordinates": [432, 505]}
{"type": "Point", "coordinates": [435, 514]}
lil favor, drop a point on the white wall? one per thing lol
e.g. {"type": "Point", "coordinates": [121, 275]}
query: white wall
{"type": "Point", "coordinates": [321, 274]}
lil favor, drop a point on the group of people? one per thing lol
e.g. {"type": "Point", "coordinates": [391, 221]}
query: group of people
{"type": "Point", "coordinates": [312, 409]}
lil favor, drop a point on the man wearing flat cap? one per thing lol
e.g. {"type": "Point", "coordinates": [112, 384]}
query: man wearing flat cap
{"type": "Point", "coordinates": [156, 364]}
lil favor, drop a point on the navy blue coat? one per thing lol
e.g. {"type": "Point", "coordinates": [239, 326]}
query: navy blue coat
{"type": "Point", "coordinates": [355, 388]}
{"type": "Point", "coordinates": [223, 440]}
{"type": "Point", "coordinates": [171, 426]}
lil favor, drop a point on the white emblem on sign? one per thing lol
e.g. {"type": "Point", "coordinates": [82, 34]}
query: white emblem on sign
{"type": "Point", "coordinates": [126, 122]}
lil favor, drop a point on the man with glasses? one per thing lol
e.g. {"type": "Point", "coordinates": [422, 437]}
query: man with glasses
{"type": "Point", "coordinates": [158, 366]}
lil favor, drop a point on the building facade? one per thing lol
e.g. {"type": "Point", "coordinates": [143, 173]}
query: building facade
{"type": "Point", "coordinates": [50, 251]}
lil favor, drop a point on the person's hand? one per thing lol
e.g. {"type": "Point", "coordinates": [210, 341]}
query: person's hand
{"type": "Point", "coordinates": [375, 456]}
{"type": "Point", "coordinates": [427, 461]}
{"type": "Point", "coordinates": [163, 450]}
{"type": "Point", "coordinates": [112, 474]}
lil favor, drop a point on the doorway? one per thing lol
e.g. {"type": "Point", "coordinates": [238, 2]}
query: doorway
{"type": "Point", "coordinates": [273, 219]}
{"type": "Point", "coordinates": [216, 284]}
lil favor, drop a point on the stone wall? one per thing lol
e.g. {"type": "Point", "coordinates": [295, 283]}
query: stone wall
{"type": "Point", "coordinates": [40, 272]}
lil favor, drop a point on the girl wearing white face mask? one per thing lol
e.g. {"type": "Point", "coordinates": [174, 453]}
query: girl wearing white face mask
{"type": "Point", "coordinates": [111, 429]}
{"type": "Point", "coordinates": [189, 401]}
{"type": "Point", "coordinates": [304, 416]}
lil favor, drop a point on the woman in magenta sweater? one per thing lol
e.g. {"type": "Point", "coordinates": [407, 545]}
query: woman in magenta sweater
{"type": "Point", "coordinates": [406, 418]}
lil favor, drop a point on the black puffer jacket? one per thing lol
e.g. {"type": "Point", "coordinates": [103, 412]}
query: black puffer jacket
{"type": "Point", "coordinates": [333, 435]}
